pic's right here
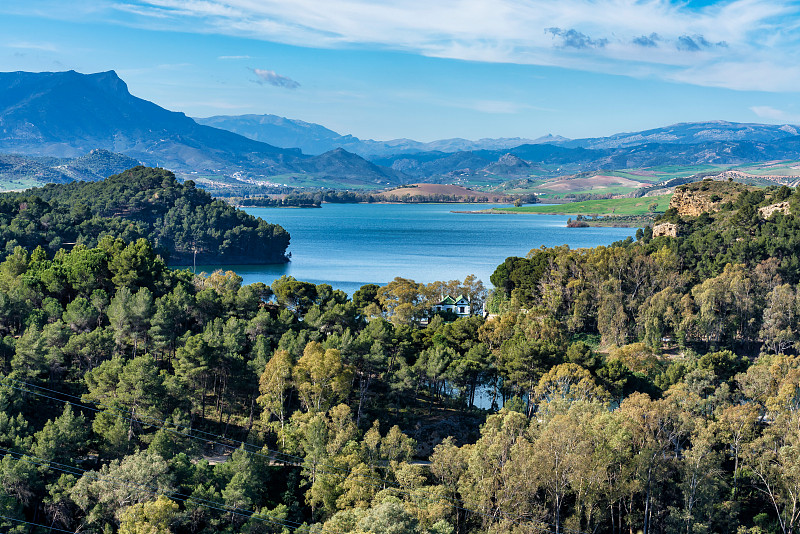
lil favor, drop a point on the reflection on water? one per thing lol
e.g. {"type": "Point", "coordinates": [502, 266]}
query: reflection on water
{"type": "Point", "coordinates": [349, 245]}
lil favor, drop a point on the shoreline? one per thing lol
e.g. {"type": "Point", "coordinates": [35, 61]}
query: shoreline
{"type": "Point", "coordinates": [381, 202]}
{"type": "Point", "coordinates": [605, 221]}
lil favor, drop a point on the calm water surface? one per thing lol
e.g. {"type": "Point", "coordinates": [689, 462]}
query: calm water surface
{"type": "Point", "coordinates": [349, 245]}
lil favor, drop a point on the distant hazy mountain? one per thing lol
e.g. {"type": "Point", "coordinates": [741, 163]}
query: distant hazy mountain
{"type": "Point", "coordinates": [279, 131]}
{"type": "Point", "coordinates": [685, 143]}
{"type": "Point", "coordinates": [560, 160]}
{"type": "Point", "coordinates": [67, 114]}
{"type": "Point", "coordinates": [315, 139]}
{"type": "Point", "coordinates": [690, 133]}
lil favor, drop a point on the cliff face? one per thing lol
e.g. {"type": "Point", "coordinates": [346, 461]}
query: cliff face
{"type": "Point", "coordinates": [691, 203]}
{"type": "Point", "coordinates": [708, 195]}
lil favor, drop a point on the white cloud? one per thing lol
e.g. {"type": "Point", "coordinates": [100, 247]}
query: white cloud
{"type": "Point", "coordinates": [233, 57]}
{"type": "Point", "coordinates": [663, 38]}
{"type": "Point", "coordinates": [273, 78]}
{"type": "Point", "coordinates": [777, 115]}
{"type": "Point", "coordinates": [743, 75]}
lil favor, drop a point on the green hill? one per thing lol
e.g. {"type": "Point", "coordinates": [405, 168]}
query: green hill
{"type": "Point", "coordinates": [179, 219]}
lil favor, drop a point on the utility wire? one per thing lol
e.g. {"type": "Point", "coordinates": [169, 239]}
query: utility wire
{"type": "Point", "coordinates": [292, 459]}
{"type": "Point", "coordinates": [295, 460]}
{"type": "Point", "coordinates": [181, 497]}
{"type": "Point", "coordinates": [51, 528]}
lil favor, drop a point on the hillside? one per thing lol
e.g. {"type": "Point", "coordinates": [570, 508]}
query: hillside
{"type": "Point", "coordinates": [691, 133]}
{"type": "Point", "coordinates": [183, 222]}
{"type": "Point", "coordinates": [67, 114]}
{"type": "Point", "coordinates": [21, 172]}
{"type": "Point", "coordinates": [648, 382]}
{"type": "Point", "coordinates": [315, 139]}
{"type": "Point", "coordinates": [443, 192]}
{"type": "Point", "coordinates": [279, 131]}
{"type": "Point", "coordinates": [489, 161]}
{"type": "Point", "coordinates": [706, 196]}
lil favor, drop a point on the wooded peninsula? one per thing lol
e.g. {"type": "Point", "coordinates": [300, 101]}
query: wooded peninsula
{"type": "Point", "coordinates": [651, 385]}
{"type": "Point", "coordinates": [183, 223]}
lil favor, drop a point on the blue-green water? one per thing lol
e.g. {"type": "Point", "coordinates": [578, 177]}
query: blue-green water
{"type": "Point", "coordinates": [349, 245]}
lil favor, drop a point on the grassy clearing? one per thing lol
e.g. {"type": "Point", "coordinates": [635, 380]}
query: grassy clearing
{"type": "Point", "coordinates": [615, 206]}
{"type": "Point", "coordinates": [782, 168]}
{"type": "Point", "coordinates": [611, 190]}
{"type": "Point", "coordinates": [641, 175]}
{"type": "Point", "coordinates": [665, 172]}
{"type": "Point", "coordinates": [18, 183]}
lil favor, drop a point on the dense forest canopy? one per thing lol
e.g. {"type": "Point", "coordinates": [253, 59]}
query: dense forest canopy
{"type": "Point", "coordinates": [178, 219]}
{"type": "Point", "coordinates": [652, 385]}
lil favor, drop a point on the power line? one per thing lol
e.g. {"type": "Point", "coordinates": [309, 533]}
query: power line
{"type": "Point", "coordinates": [181, 497]}
{"type": "Point", "coordinates": [293, 459]}
{"type": "Point", "coordinates": [36, 524]}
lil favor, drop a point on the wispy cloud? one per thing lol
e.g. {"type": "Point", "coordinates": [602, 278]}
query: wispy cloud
{"type": "Point", "coordinates": [752, 74]}
{"type": "Point", "coordinates": [233, 57]}
{"type": "Point", "coordinates": [273, 78]}
{"type": "Point", "coordinates": [779, 115]}
{"type": "Point", "coordinates": [43, 47]}
{"type": "Point", "coordinates": [668, 39]}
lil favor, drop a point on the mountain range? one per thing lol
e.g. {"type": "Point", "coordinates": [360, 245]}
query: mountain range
{"type": "Point", "coordinates": [697, 143]}
{"type": "Point", "coordinates": [315, 139]}
{"type": "Point", "coordinates": [67, 115]}
{"type": "Point", "coordinates": [690, 133]}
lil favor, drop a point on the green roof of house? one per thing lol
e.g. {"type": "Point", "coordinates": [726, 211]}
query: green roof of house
{"type": "Point", "coordinates": [448, 300]}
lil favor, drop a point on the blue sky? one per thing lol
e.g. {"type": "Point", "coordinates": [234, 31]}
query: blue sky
{"type": "Point", "coordinates": [425, 70]}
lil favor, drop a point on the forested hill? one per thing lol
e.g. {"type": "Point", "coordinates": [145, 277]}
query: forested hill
{"type": "Point", "coordinates": [649, 386]}
{"type": "Point", "coordinates": [179, 219]}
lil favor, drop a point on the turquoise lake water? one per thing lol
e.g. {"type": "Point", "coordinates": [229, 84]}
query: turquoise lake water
{"type": "Point", "coordinates": [349, 245]}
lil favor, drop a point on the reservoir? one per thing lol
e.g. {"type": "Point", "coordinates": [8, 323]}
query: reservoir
{"type": "Point", "coordinates": [349, 245]}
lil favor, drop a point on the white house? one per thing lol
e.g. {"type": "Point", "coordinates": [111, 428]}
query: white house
{"type": "Point", "coordinates": [459, 306]}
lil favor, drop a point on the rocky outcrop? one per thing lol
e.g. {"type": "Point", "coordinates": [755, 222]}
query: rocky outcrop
{"type": "Point", "coordinates": [665, 229]}
{"type": "Point", "coordinates": [691, 204]}
{"type": "Point", "coordinates": [767, 211]}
